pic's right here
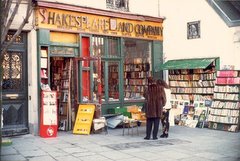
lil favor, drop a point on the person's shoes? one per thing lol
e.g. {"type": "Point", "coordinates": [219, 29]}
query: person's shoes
{"type": "Point", "coordinates": [155, 138]}
{"type": "Point", "coordinates": [146, 138]}
{"type": "Point", "coordinates": [164, 136]}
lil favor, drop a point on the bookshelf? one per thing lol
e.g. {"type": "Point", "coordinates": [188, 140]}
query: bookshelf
{"type": "Point", "coordinates": [136, 72]}
{"type": "Point", "coordinates": [61, 71]}
{"type": "Point", "coordinates": [225, 109]}
{"type": "Point", "coordinates": [44, 68]}
{"type": "Point", "coordinates": [192, 84]}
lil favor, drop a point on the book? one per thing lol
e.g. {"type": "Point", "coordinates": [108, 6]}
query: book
{"type": "Point", "coordinates": [44, 73]}
{"type": "Point", "coordinates": [44, 63]}
{"type": "Point", "coordinates": [43, 53]}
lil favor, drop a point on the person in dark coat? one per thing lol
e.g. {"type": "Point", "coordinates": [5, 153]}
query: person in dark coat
{"type": "Point", "coordinates": [155, 100]}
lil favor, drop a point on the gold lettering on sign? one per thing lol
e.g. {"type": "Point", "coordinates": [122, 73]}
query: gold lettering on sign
{"type": "Point", "coordinates": [51, 18]}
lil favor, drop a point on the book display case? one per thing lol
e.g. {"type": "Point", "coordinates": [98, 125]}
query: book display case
{"type": "Point", "coordinates": [224, 112]}
{"type": "Point", "coordinates": [192, 84]}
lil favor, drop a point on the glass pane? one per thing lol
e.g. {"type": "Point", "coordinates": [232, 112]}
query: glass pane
{"type": "Point", "coordinates": [98, 46]}
{"type": "Point", "coordinates": [98, 81]}
{"type": "Point", "coordinates": [19, 38]}
{"type": "Point", "coordinates": [113, 81]}
{"type": "Point", "coordinates": [137, 67]}
{"type": "Point", "coordinates": [12, 71]}
{"type": "Point", "coordinates": [113, 50]}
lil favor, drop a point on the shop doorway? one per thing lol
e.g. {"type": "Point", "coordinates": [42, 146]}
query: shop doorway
{"type": "Point", "coordinates": [63, 80]}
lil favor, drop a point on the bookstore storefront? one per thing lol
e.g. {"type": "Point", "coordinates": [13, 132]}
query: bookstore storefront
{"type": "Point", "coordinates": [96, 56]}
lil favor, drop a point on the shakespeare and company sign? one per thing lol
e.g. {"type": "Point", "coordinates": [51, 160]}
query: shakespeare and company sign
{"type": "Point", "coordinates": [89, 23]}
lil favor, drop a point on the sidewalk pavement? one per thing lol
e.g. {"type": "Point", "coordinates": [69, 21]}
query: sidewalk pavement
{"type": "Point", "coordinates": [183, 144]}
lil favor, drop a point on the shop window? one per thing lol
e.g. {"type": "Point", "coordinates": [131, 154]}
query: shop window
{"type": "Point", "coordinates": [137, 67]}
{"type": "Point", "coordinates": [108, 48]}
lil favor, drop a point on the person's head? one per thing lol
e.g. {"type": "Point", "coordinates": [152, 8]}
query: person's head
{"type": "Point", "coordinates": [150, 80]}
{"type": "Point", "coordinates": [162, 83]}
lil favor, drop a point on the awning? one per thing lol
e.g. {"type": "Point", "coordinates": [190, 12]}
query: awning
{"type": "Point", "coordinates": [187, 64]}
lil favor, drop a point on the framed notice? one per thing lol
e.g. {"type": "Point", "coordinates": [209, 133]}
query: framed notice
{"type": "Point", "coordinates": [193, 30]}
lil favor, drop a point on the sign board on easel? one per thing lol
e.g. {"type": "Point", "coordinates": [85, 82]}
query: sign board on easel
{"type": "Point", "coordinates": [84, 119]}
{"type": "Point", "coordinates": [48, 124]}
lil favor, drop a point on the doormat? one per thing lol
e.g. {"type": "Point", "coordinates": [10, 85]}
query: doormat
{"type": "Point", "coordinates": [144, 144]}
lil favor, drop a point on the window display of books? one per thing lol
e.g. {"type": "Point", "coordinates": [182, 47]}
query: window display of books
{"type": "Point", "coordinates": [135, 78]}
{"type": "Point", "coordinates": [44, 66]}
{"type": "Point", "coordinates": [224, 112]}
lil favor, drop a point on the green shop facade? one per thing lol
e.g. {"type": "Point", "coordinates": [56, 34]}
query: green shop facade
{"type": "Point", "coordinates": [96, 56]}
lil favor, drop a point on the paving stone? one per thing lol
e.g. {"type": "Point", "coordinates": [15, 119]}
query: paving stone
{"type": "Point", "coordinates": [42, 158]}
{"type": "Point", "coordinates": [13, 158]}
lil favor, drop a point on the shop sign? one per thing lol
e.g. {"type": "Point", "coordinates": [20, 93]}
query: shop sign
{"type": "Point", "coordinates": [59, 50]}
{"type": "Point", "coordinates": [89, 23]}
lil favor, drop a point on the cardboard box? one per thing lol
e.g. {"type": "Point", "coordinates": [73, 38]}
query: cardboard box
{"type": "Point", "coordinates": [133, 108]}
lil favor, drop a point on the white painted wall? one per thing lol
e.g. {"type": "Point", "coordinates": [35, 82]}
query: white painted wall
{"type": "Point", "coordinates": [33, 108]}
{"type": "Point", "coordinates": [142, 7]}
{"type": "Point", "coordinates": [217, 39]}
{"type": "Point", "coordinates": [19, 17]}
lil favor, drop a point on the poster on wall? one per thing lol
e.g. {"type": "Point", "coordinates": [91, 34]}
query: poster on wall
{"type": "Point", "coordinates": [48, 126]}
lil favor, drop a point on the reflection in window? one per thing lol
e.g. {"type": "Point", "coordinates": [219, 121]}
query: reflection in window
{"type": "Point", "coordinates": [113, 81]}
{"type": "Point", "coordinates": [98, 45]}
{"type": "Point", "coordinates": [122, 5]}
{"type": "Point", "coordinates": [137, 67]}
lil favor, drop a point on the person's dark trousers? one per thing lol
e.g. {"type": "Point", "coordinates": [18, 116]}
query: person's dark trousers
{"type": "Point", "coordinates": [149, 127]}
{"type": "Point", "coordinates": [152, 122]}
{"type": "Point", "coordinates": [155, 127]}
{"type": "Point", "coordinates": [165, 122]}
